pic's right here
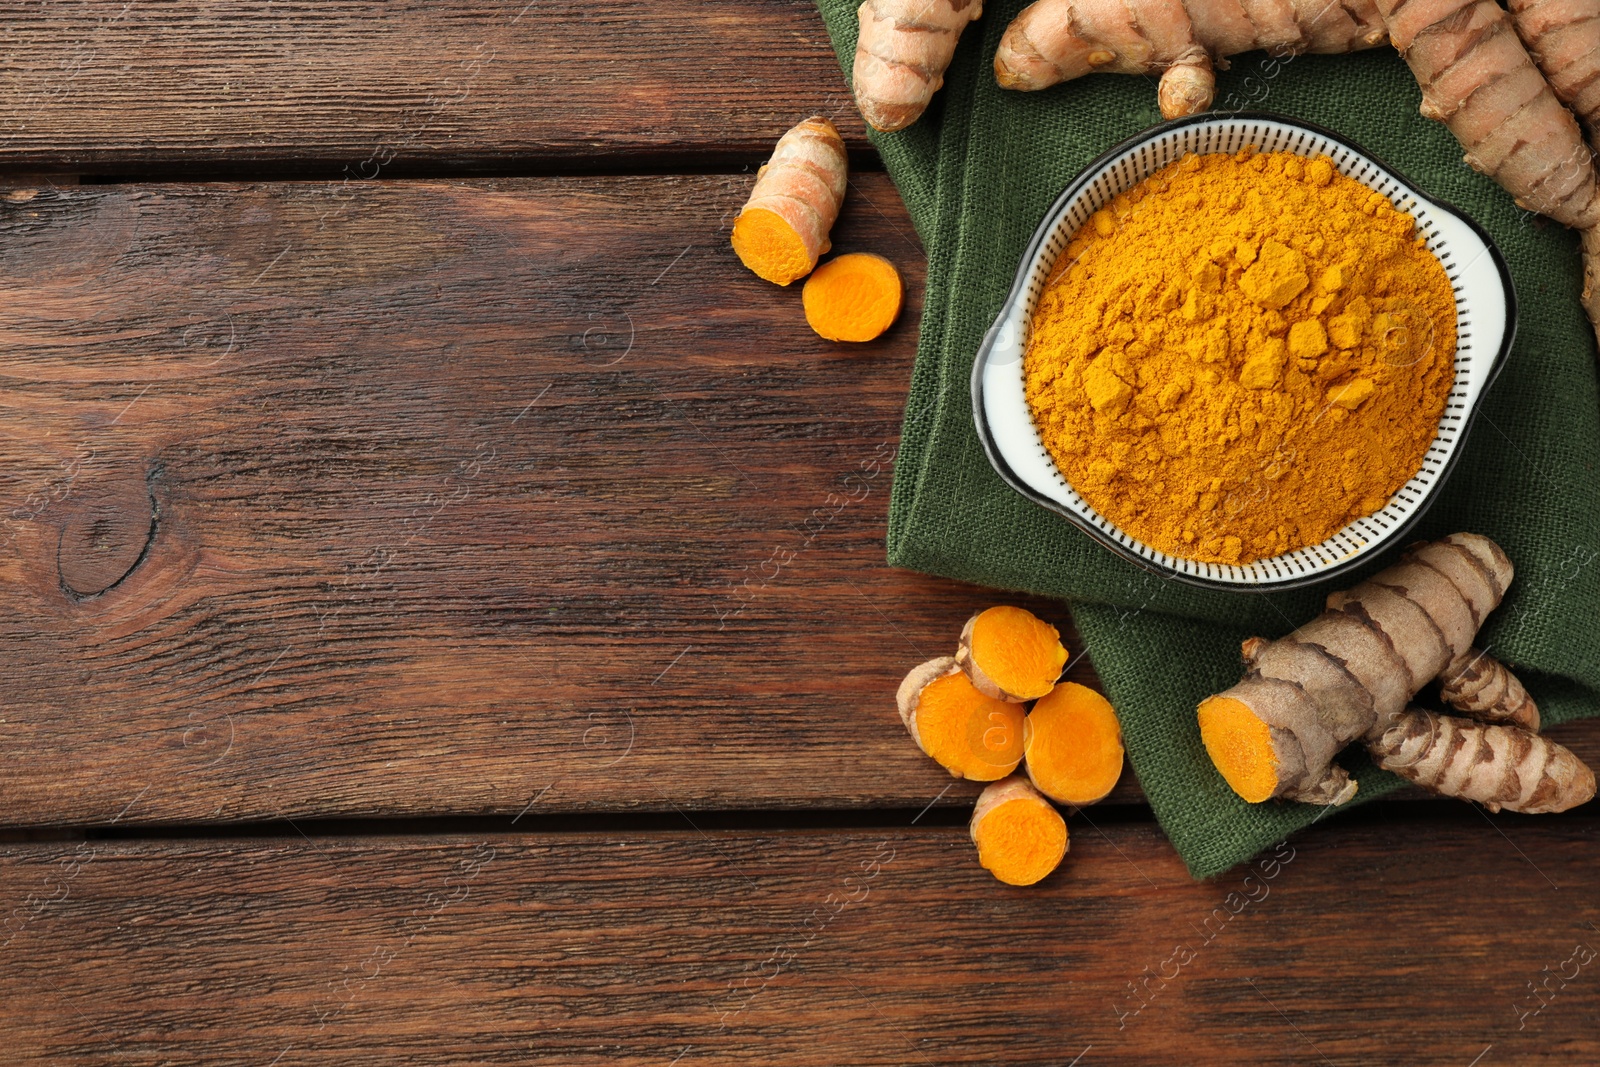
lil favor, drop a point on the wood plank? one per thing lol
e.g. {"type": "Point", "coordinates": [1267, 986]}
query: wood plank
{"type": "Point", "coordinates": [368, 88]}
{"type": "Point", "coordinates": [446, 498]}
{"type": "Point", "coordinates": [1413, 942]}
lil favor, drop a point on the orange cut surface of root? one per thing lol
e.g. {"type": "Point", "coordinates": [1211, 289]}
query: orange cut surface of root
{"type": "Point", "coordinates": [968, 734]}
{"type": "Point", "coordinates": [1240, 744]}
{"type": "Point", "coordinates": [854, 297]}
{"type": "Point", "coordinates": [770, 247]}
{"type": "Point", "coordinates": [1021, 840]}
{"type": "Point", "coordinates": [1073, 745]}
{"type": "Point", "coordinates": [1019, 653]}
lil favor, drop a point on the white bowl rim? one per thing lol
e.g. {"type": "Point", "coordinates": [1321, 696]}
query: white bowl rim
{"type": "Point", "coordinates": [1052, 218]}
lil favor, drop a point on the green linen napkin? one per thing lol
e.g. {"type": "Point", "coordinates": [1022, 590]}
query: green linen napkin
{"type": "Point", "coordinates": [978, 172]}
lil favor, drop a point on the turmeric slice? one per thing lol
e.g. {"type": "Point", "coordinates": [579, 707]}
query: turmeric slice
{"type": "Point", "coordinates": [854, 297]}
{"type": "Point", "coordinates": [784, 225]}
{"type": "Point", "coordinates": [969, 734]}
{"type": "Point", "coordinates": [1011, 654]}
{"type": "Point", "coordinates": [1020, 836]}
{"type": "Point", "coordinates": [1072, 744]}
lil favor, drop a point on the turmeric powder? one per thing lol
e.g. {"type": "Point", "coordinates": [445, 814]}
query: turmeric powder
{"type": "Point", "coordinates": [1242, 354]}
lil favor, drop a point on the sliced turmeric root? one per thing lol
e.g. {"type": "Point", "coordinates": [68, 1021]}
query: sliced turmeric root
{"type": "Point", "coordinates": [1240, 744]}
{"type": "Point", "coordinates": [1072, 744]}
{"type": "Point", "coordinates": [1011, 654]}
{"type": "Point", "coordinates": [969, 734]}
{"type": "Point", "coordinates": [854, 297]}
{"type": "Point", "coordinates": [1020, 836]}
{"type": "Point", "coordinates": [784, 225]}
{"type": "Point", "coordinates": [1350, 675]}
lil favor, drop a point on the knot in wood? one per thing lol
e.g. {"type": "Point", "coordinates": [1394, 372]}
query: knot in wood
{"type": "Point", "coordinates": [107, 533]}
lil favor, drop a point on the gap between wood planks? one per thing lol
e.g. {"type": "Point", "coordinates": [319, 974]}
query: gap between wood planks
{"type": "Point", "coordinates": [1410, 810]}
{"type": "Point", "coordinates": [290, 170]}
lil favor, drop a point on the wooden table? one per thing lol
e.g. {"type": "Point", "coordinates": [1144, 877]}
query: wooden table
{"type": "Point", "coordinates": [445, 619]}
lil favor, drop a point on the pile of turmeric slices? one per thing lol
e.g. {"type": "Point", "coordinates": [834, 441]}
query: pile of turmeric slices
{"type": "Point", "coordinates": [970, 713]}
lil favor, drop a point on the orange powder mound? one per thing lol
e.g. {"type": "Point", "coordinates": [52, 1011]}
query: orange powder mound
{"type": "Point", "coordinates": [967, 733]}
{"type": "Point", "coordinates": [1240, 745]}
{"type": "Point", "coordinates": [1241, 355]}
{"type": "Point", "coordinates": [1073, 745]}
{"type": "Point", "coordinates": [1021, 840]}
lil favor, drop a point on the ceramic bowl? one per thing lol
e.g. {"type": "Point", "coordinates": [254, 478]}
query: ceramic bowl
{"type": "Point", "coordinates": [1485, 322]}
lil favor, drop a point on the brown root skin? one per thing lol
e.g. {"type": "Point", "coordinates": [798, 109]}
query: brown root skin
{"type": "Point", "coordinates": [1482, 688]}
{"type": "Point", "coordinates": [1187, 88]}
{"type": "Point", "coordinates": [1501, 83]}
{"type": "Point", "coordinates": [1019, 835]}
{"type": "Point", "coordinates": [1052, 41]}
{"type": "Point", "coordinates": [902, 50]}
{"type": "Point", "coordinates": [1026, 629]}
{"type": "Point", "coordinates": [1564, 40]}
{"type": "Point", "coordinates": [911, 687]}
{"type": "Point", "coordinates": [1590, 296]}
{"type": "Point", "coordinates": [1350, 674]}
{"type": "Point", "coordinates": [1499, 766]}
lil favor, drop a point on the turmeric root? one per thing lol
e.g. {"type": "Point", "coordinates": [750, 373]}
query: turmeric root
{"type": "Point", "coordinates": [1479, 80]}
{"type": "Point", "coordinates": [1563, 37]}
{"type": "Point", "coordinates": [1351, 674]}
{"type": "Point", "coordinates": [1020, 836]}
{"type": "Point", "coordinates": [1485, 689]}
{"type": "Point", "coordinates": [1498, 766]}
{"type": "Point", "coordinates": [784, 226]}
{"type": "Point", "coordinates": [853, 297]}
{"type": "Point", "coordinates": [969, 734]}
{"type": "Point", "coordinates": [1072, 745]}
{"type": "Point", "coordinates": [1010, 654]}
{"type": "Point", "coordinates": [1052, 41]}
{"type": "Point", "coordinates": [902, 51]}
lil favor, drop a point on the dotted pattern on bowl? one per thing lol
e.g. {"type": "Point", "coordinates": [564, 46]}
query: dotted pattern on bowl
{"type": "Point", "coordinates": [1141, 161]}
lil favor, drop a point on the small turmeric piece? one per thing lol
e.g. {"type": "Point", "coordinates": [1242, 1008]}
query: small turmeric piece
{"type": "Point", "coordinates": [902, 51]}
{"type": "Point", "coordinates": [1072, 745]}
{"type": "Point", "coordinates": [853, 297]}
{"type": "Point", "coordinates": [1020, 836]}
{"type": "Point", "coordinates": [969, 734]}
{"type": "Point", "coordinates": [1011, 654]}
{"type": "Point", "coordinates": [784, 226]}
{"type": "Point", "coordinates": [1351, 673]}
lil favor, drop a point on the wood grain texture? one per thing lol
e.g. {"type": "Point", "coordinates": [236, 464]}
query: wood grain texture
{"type": "Point", "coordinates": [1409, 943]}
{"type": "Point", "coordinates": [369, 88]}
{"type": "Point", "coordinates": [447, 498]}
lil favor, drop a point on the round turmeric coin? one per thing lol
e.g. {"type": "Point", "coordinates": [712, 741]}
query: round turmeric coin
{"type": "Point", "coordinates": [853, 297]}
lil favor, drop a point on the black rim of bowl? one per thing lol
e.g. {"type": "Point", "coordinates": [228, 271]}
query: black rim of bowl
{"type": "Point", "coordinates": [1040, 234]}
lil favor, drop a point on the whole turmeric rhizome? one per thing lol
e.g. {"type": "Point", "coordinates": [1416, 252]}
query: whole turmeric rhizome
{"type": "Point", "coordinates": [969, 712]}
{"type": "Point", "coordinates": [1241, 355]}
